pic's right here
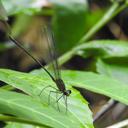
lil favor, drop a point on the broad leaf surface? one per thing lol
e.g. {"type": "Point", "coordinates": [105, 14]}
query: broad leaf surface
{"type": "Point", "coordinates": [112, 57]}
{"type": "Point", "coordinates": [115, 67]}
{"type": "Point", "coordinates": [78, 115]}
{"type": "Point", "coordinates": [104, 49]}
{"type": "Point", "coordinates": [97, 83]}
{"type": "Point", "coordinates": [26, 107]}
{"type": "Point", "coordinates": [69, 22]}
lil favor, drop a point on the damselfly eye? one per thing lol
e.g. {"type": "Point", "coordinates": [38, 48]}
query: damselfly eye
{"type": "Point", "coordinates": [68, 92]}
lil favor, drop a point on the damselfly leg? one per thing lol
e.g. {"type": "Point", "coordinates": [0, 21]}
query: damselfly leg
{"type": "Point", "coordinates": [46, 88]}
{"type": "Point", "coordinates": [54, 92]}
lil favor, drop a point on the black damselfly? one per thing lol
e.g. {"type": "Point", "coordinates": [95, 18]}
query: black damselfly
{"type": "Point", "coordinates": [50, 38]}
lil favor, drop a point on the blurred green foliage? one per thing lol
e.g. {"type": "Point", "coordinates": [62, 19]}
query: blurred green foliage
{"type": "Point", "coordinates": [70, 21]}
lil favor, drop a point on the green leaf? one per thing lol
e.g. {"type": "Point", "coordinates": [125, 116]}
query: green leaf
{"type": "Point", "coordinates": [69, 22]}
{"type": "Point", "coordinates": [111, 57]}
{"type": "Point", "coordinates": [22, 6]}
{"type": "Point", "coordinates": [103, 49]}
{"type": "Point", "coordinates": [78, 114]}
{"type": "Point", "coordinates": [26, 107]}
{"type": "Point", "coordinates": [114, 67]}
{"type": "Point", "coordinates": [96, 83]}
{"type": "Point", "coordinates": [19, 125]}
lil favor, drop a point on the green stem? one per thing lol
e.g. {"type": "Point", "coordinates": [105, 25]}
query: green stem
{"type": "Point", "coordinates": [104, 20]}
{"type": "Point", "coordinates": [63, 59]}
{"type": "Point", "coordinates": [66, 56]}
{"type": "Point", "coordinates": [113, 11]}
{"type": "Point", "coordinates": [23, 121]}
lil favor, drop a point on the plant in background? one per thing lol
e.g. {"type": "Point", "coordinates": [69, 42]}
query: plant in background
{"type": "Point", "coordinates": [107, 76]}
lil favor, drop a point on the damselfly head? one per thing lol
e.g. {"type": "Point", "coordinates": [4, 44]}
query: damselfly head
{"type": "Point", "coordinates": [67, 92]}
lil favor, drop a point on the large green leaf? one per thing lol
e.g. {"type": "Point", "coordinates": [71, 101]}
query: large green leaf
{"type": "Point", "coordinates": [97, 83]}
{"type": "Point", "coordinates": [114, 67]}
{"type": "Point", "coordinates": [111, 57]}
{"type": "Point", "coordinates": [103, 49]}
{"type": "Point", "coordinates": [69, 22]}
{"type": "Point", "coordinates": [33, 84]}
{"type": "Point", "coordinates": [26, 107]}
{"type": "Point", "coordinates": [78, 114]}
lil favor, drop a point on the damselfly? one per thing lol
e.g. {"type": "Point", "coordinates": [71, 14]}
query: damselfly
{"type": "Point", "coordinates": [61, 88]}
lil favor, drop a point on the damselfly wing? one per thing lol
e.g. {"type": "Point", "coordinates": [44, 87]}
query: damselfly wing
{"type": "Point", "coordinates": [59, 82]}
{"type": "Point", "coordinates": [61, 88]}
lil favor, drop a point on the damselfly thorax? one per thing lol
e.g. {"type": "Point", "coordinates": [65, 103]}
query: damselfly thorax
{"type": "Point", "coordinates": [61, 86]}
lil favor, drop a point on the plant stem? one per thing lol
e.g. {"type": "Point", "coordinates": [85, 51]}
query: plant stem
{"type": "Point", "coordinates": [104, 20]}
{"type": "Point", "coordinates": [23, 121]}
{"type": "Point", "coordinates": [113, 11]}
{"type": "Point", "coordinates": [67, 56]}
